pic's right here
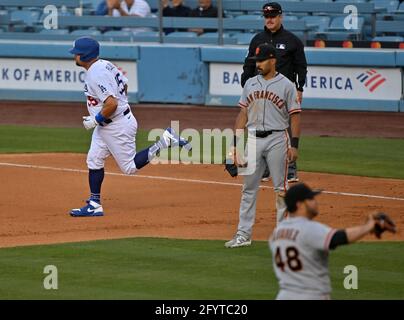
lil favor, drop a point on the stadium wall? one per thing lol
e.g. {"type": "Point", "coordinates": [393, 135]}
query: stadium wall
{"type": "Point", "coordinates": [342, 79]}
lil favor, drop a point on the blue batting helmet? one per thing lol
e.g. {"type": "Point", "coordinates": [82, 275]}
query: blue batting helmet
{"type": "Point", "coordinates": [87, 48]}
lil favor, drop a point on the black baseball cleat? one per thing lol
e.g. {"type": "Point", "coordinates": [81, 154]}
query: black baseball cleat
{"type": "Point", "coordinates": [293, 178]}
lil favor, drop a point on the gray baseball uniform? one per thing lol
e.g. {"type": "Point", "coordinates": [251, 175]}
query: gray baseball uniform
{"type": "Point", "coordinates": [300, 258]}
{"type": "Point", "coordinates": [269, 104]}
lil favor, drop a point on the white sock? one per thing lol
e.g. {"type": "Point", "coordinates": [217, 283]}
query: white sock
{"type": "Point", "coordinates": [280, 208]}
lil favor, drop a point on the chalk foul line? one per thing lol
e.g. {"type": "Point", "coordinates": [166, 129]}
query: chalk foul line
{"type": "Point", "coordinates": [30, 166]}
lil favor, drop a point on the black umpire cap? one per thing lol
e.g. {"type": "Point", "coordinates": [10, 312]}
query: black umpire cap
{"type": "Point", "coordinates": [271, 9]}
{"type": "Point", "coordinates": [264, 52]}
{"type": "Point", "coordinates": [299, 193]}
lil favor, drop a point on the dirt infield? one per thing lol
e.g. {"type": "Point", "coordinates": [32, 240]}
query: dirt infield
{"type": "Point", "coordinates": [195, 201]}
{"type": "Point", "coordinates": [315, 123]}
{"type": "Point", "coordinates": [179, 201]}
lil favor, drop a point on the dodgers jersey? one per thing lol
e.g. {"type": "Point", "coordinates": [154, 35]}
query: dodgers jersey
{"type": "Point", "coordinates": [300, 255]}
{"type": "Point", "coordinates": [269, 102]}
{"type": "Point", "coordinates": [104, 79]}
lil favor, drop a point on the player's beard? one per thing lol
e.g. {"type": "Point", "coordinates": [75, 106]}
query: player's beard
{"type": "Point", "coordinates": [261, 72]}
{"type": "Point", "coordinates": [311, 211]}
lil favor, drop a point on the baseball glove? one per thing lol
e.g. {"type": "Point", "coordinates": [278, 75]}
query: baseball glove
{"type": "Point", "coordinates": [231, 167]}
{"type": "Point", "coordinates": [383, 223]}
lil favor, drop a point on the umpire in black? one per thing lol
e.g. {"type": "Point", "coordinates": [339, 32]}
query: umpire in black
{"type": "Point", "coordinates": [291, 60]}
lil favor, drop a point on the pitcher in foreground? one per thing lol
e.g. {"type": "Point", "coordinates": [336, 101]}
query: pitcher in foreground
{"type": "Point", "coordinates": [300, 245]}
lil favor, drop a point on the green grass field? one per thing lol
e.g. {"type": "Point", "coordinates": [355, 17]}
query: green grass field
{"type": "Point", "coordinates": [144, 268]}
{"type": "Point", "coordinates": [354, 156]}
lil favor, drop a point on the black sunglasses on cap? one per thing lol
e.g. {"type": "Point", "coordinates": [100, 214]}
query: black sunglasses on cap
{"type": "Point", "coordinates": [272, 9]}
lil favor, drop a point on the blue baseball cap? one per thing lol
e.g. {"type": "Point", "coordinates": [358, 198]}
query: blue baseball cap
{"type": "Point", "coordinates": [87, 48]}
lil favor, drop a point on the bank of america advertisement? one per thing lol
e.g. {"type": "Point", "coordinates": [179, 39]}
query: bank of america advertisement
{"type": "Point", "coordinates": [53, 74]}
{"type": "Point", "coordinates": [322, 82]}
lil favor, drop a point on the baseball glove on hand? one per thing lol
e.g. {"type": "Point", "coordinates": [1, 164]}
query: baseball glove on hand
{"type": "Point", "coordinates": [383, 223]}
{"type": "Point", "coordinates": [231, 167]}
{"type": "Point", "coordinates": [232, 163]}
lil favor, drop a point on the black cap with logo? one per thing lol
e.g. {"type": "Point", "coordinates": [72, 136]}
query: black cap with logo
{"type": "Point", "coordinates": [264, 52]}
{"type": "Point", "coordinates": [298, 193]}
{"type": "Point", "coordinates": [271, 9]}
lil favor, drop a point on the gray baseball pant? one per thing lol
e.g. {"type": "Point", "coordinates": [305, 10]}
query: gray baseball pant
{"type": "Point", "coordinates": [271, 151]}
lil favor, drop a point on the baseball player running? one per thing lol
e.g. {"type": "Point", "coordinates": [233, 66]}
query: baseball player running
{"type": "Point", "coordinates": [300, 246]}
{"type": "Point", "coordinates": [114, 124]}
{"type": "Point", "coordinates": [267, 102]}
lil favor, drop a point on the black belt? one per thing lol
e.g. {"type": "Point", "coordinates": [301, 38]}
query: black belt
{"type": "Point", "coordinates": [264, 134]}
{"type": "Point", "coordinates": [108, 121]}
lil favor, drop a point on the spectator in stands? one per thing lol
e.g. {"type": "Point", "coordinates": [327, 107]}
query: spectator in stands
{"type": "Point", "coordinates": [133, 8]}
{"type": "Point", "coordinates": [291, 60]}
{"type": "Point", "coordinates": [136, 8]}
{"type": "Point", "coordinates": [205, 10]}
{"type": "Point", "coordinates": [102, 8]}
{"type": "Point", "coordinates": [176, 9]}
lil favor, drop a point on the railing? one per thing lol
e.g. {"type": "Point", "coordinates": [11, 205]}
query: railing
{"type": "Point", "coordinates": [221, 24]}
{"type": "Point", "coordinates": [42, 3]}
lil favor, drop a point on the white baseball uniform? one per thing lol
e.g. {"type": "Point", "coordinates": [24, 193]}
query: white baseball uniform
{"type": "Point", "coordinates": [300, 259]}
{"type": "Point", "coordinates": [103, 79]}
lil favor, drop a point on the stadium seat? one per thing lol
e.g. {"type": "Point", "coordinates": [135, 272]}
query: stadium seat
{"type": "Point", "coordinates": [26, 17]}
{"type": "Point", "coordinates": [181, 37]}
{"type": "Point", "coordinates": [395, 15]}
{"type": "Point", "coordinates": [337, 24]}
{"type": "Point", "coordinates": [183, 34]}
{"type": "Point", "coordinates": [147, 36]}
{"type": "Point", "coordinates": [4, 17]}
{"type": "Point", "coordinates": [351, 1]}
{"type": "Point", "coordinates": [390, 5]}
{"type": "Point", "coordinates": [249, 17]}
{"type": "Point", "coordinates": [88, 32]}
{"type": "Point", "coordinates": [212, 38]}
{"type": "Point", "coordinates": [30, 36]}
{"type": "Point", "coordinates": [389, 28]}
{"type": "Point", "coordinates": [337, 31]}
{"type": "Point", "coordinates": [317, 0]}
{"type": "Point", "coordinates": [243, 38]}
{"type": "Point", "coordinates": [388, 39]}
{"type": "Point", "coordinates": [287, 18]}
{"type": "Point", "coordinates": [115, 35]}
{"type": "Point", "coordinates": [233, 13]}
{"type": "Point", "coordinates": [321, 23]}
{"type": "Point", "coordinates": [54, 31]}
{"type": "Point", "coordinates": [300, 35]}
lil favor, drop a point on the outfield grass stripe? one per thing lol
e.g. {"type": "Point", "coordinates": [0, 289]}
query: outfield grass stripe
{"type": "Point", "coordinates": [347, 194]}
{"type": "Point", "coordinates": [158, 268]}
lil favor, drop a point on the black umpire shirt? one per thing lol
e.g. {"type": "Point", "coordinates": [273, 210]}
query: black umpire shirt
{"type": "Point", "coordinates": [291, 61]}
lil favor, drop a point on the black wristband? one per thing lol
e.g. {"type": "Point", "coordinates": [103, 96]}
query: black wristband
{"type": "Point", "coordinates": [295, 143]}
